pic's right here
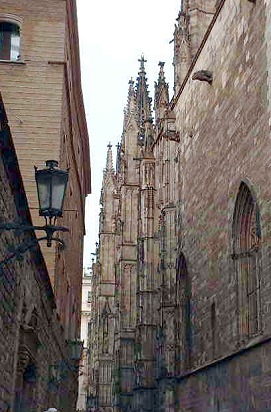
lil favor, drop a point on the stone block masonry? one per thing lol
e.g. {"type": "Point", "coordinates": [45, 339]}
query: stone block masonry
{"type": "Point", "coordinates": [32, 340]}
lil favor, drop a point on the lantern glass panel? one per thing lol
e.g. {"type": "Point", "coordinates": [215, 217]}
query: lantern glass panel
{"type": "Point", "coordinates": [59, 182]}
{"type": "Point", "coordinates": [44, 191]}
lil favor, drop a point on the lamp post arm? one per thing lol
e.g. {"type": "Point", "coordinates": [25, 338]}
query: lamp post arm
{"type": "Point", "coordinates": [27, 246]}
{"type": "Point", "coordinates": [18, 226]}
{"type": "Point", "coordinates": [49, 229]}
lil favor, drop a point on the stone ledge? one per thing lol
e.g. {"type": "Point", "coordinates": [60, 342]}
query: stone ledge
{"type": "Point", "coordinates": [12, 62]}
{"type": "Point", "coordinates": [261, 340]}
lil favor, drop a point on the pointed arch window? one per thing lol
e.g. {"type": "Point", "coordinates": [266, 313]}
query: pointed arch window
{"type": "Point", "coordinates": [105, 328]}
{"type": "Point", "coordinates": [183, 316]}
{"type": "Point", "coordinates": [9, 41]}
{"type": "Point", "coordinates": [246, 248]}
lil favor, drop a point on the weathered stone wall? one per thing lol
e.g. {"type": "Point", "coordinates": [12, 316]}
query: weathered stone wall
{"type": "Point", "coordinates": [225, 139]}
{"type": "Point", "coordinates": [224, 136]}
{"type": "Point", "coordinates": [238, 383]}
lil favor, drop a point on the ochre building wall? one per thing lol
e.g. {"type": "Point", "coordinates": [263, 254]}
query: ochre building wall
{"type": "Point", "coordinates": [32, 89]}
{"type": "Point", "coordinates": [44, 104]}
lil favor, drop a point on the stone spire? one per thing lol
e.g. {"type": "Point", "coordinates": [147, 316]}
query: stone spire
{"type": "Point", "coordinates": [108, 188]}
{"type": "Point", "coordinates": [142, 95]}
{"type": "Point", "coordinates": [118, 157]}
{"type": "Point", "coordinates": [108, 174]}
{"type": "Point", "coordinates": [130, 110]}
{"type": "Point", "coordinates": [182, 48]}
{"type": "Point", "coordinates": [131, 103]}
{"type": "Point", "coordinates": [109, 159]}
{"type": "Point", "coordinates": [161, 99]}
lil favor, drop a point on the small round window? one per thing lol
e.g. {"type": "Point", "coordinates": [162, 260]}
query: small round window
{"type": "Point", "coordinates": [9, 41]}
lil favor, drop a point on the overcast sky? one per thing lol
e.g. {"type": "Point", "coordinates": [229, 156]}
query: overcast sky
{"type": "Point", "coordinates": [113, 35]}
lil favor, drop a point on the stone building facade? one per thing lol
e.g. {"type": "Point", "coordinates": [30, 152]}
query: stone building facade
{"type": "Point", "coordinates": [181, 299]}
{"type": "Point", "coordinates": [84, 336]}
{"type": "Point", "coordinates": [36, 369]}
{"type": "Point", "coordinates": [41, 86]}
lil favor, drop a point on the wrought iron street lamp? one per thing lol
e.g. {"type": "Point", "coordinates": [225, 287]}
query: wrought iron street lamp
{"type": "Point", "coordinates": [51, 187]}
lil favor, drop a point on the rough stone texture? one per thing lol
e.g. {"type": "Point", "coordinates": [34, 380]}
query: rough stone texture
{"type": "Point", "coordinates": [240, 383]}
{"type": "Point", "coordinates": [192, 23]}
{"type": "Point", "coordinates": [228, 144]}
{"type": "Point", "coordinates": [31, 333]}
{"type": "Point", "coordinates": [229, 136]}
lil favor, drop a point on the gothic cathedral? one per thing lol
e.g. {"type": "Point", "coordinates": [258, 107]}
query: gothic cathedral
{"type": "Point", "coordinates": [181, 285]}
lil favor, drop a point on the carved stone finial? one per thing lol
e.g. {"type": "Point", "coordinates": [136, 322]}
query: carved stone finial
{"type": "Point", "coordinates": [142, 61]}
{"type": "Point", "coordinates": [204, 76]}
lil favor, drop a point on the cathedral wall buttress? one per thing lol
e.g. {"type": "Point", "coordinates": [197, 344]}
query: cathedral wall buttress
{"type": "Point", "coordinates": [128, 282]}
{"type": "Point", "coordinates": [177, 310]}
{"type": "Point", "coordinates": [200, 15]}
{"type": "Point", "coordinates": [130, 214]}
{"type": "Point", "coordinates": [192, 23]}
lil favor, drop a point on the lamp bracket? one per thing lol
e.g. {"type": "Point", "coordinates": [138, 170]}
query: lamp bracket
{"type": "Point", "coordinates": [49, 229]}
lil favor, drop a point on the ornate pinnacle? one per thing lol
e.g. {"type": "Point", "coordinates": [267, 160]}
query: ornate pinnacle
{"type": "Point", "coordinates": [131, 96]}
{"type": "Point", "coordinates": [161, 98]}
{"type": "Point", "coordinates": [142, 94]}
{"type": "Point", "coordinates": [161, 72]}
{"type": "Point", "coordinates": [161, 84]}
{"type": "Point", "coordinates": [109, 159]}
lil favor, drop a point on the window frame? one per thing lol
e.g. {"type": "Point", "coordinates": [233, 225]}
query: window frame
{"type": "Point", "coordinates": [183, 316]}
{"type": "Point", "coordinates": [247, 261]}
{"type": "Point", "coordinates": [13, 19]}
